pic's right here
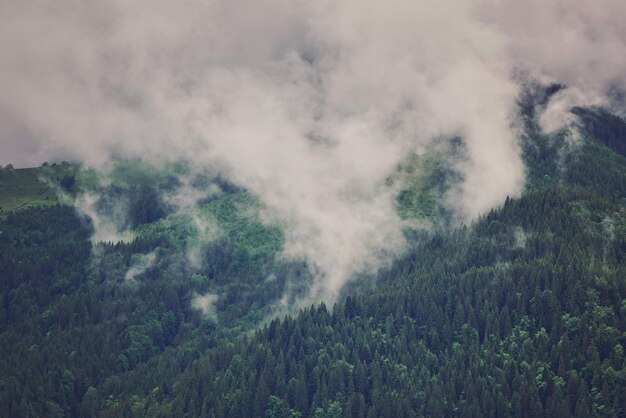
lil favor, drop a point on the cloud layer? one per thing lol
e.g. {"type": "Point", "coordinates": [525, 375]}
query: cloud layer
{"type": "Point", "coordinates": [310, 105]}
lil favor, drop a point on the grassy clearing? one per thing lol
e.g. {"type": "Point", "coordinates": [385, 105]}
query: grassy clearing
{"type": "Point", "coordinates": [26, 187]}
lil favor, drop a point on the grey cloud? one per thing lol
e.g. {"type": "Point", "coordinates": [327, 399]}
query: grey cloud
{"type": "Point", "coordinates": [245, 85]}
{"type": "Point", "coordinates": [576, 42]}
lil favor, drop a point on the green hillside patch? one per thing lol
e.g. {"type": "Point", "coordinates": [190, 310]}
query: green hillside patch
{"type": "Point", "coordinates": [27, 187]}
{"type": "Point", "coordinates": [231, 219]}
{"type": "Point", "coordinates": [237, 215]}
{"type": "Point", "coordinates": [420, 183]}
{"type": "Point", "coordinates": [418, 193]}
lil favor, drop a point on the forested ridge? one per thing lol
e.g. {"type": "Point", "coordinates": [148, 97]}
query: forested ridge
{"type": "Point", "coordinates": [520, 314]}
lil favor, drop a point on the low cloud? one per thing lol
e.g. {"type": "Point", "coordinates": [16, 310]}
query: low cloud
{"type": "Point", "coordinates": [308, 105]}
{"type": "Point", "coordinates": [557, 114]}
{"type": "Point", "coordinates": [108, 227]}
{"type": "Point", "coordinates": [139, 264]}
{"type": "Point", "coordinates": [205, 303]}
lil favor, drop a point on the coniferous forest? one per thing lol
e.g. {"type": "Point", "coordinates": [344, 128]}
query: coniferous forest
{"type": "Point", "coordinates": [521, 313]}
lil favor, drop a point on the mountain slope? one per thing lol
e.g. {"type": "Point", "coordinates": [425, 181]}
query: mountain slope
{"type": "Point", "coordinates": [522, 313]}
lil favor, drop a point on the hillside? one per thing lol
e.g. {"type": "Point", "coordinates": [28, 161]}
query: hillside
{"type": "Point", "coordinates": [27, 187]}
{"type": "Point", "coordinates": [521, 314]}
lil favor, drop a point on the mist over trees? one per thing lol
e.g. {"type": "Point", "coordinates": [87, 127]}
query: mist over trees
{"type": "Point", "coordinates": [521, 313]}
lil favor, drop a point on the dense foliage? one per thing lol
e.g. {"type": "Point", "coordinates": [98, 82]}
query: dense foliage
{"type": "Point", "coordinates": [521, 314]}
